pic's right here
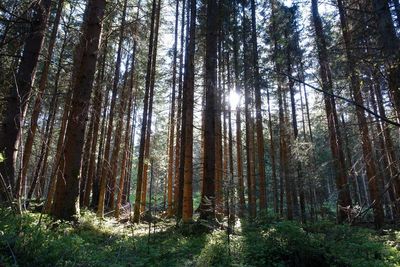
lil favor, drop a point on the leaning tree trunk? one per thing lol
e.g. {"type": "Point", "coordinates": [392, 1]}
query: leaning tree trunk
{"type": "Point", "coordinates": [362, 122]}
{"type": "Point", "coordinates": [390, 48]}
{"type": "Point", "coordinates": [344, 199]}
{"type": "Point", "coordinates": [19, 95]}
{"type": "Point", "coordinates": [38, 101]}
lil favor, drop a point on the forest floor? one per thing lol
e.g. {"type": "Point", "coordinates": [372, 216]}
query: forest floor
{"type": "Point", "coordinates": [34, 240]}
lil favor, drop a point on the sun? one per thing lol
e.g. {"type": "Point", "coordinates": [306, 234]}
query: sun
{"type": "Point", "coordinates": [234, 99]}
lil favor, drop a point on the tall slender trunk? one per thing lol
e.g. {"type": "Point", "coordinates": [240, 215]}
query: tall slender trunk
{"type": "Point", "coordinates": [249, 121]}
{"type": "Point", "coordinates": [58, 166]}
{"type": "Point", "coordinates": [66, 202]}
{"type": "Point", "coordinates": [150, 114]}
{"type": "Point", "coordinates": [123, 175]}
{"type": "Point", "coordinates": [283, 151]}
{"type": "Point", "coordinates": [127, 188]}
{"type": "Point", "coordinates": [129, 130]}
{"type": "Point", "coordinates": [179, 112]}
{"type": "Point", "coordinates": [238, 110]}
{"type": "Point", "coordinates": [172, 116]}
{"type": "Point", "coordinates": [139, 184]}
{"type": "Point", "coordinates": [218, 131]}
{"type": "Point", "coordinates": [96, 115]}
{"type": "Point", "coordinates": [231, 195]}
{"type": "Point", "coordinates": [259, 124]}
{"type": "Point", "coordinates": [182, 145]}
{"type": "Point", "coordinates": [117, 137]}
{"type": "Point", "coordinates": [86, 156]}
{"type": "Point", "coordinates": [352, 176]}
{"type": "Point", "coordinates": [207, 207]}
{"type": "Point", "coordinates": [100, 156]}
{"type": "Point", "coordinates": [298, 184]}
{"type": "Point", "coordinates": [105, 172]}
{"type": "Point", "coordinates": [188, 103]}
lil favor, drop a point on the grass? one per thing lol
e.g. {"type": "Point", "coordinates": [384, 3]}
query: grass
{"type": "Point", "coordinates": [263, 242]}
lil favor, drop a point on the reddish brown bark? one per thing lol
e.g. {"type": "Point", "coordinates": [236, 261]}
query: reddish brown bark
{"type": "Point", "coordinates": [66, 201]}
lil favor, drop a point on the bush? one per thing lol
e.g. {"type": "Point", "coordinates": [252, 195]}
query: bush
{"type": "Point", "coordinates": [289, 243]}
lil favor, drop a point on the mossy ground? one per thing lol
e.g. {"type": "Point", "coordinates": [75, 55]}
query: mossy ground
{"type": "Point", "coordinates": [263, 242]}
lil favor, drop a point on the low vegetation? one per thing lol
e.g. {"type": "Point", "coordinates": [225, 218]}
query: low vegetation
{"type": "Point", "coordinates": [32, 239]}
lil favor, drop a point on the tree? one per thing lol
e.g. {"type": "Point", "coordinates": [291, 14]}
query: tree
{"type": "Point", "coordinates": [37, 105]}
{"type": "Point", "coordinates": [146, 112]}
{"type": "Point", "coordinates": [106, 164]}
{"type": "Point", "coordinates": [390, 48]}
{"type": "Point", "coordinates": [172, 114]}
{"type": "Point", "coordinates": [66, 204]}
{"type": "Point", "coordinates": [207, 207]}
{"type": "Point", "coordinates": [187, 120]}
{"type": "Point", "coordinates": [249, 120]}
{"type": "Point", "coordinates": [259, 124]}
{"type": "Point", "coordinates": [363, 128]}
{"type": "Point", "coordinates": [330, 108]}
{"type": "Point", "coordinates": [20, 92]}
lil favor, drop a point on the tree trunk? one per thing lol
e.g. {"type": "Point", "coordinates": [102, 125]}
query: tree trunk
{"type": "Point", "coordinates": [259, 124]}
{"type": "Point", "coordinates": [37, 106]}
{"type": "Point", "coordinates": [390, 151]}
{"type": "Point", "coordinates": [249, 121]}
{"type": "Point", "coordinates": [66, 205]}
{"type": "Point", "coordinates": [117, 137]}
{"type": "Point", "coordinates": [207, 207]}
{"type": "Point", "coordinates": [128, 131]}
{"type": "Point", "coordinates": [41, 167]}
{"type": "Point", "coordinates": [239, 157]}
{"type": "Point", "coordinates": [188, 102]}
{"type": "Point", "coordinates": [362, 122]}
{"type": "Point", "coordinates": [390, 49]}
{"type": "Point", "coordinates": [19, 95]}
{"type": "Point", "coordinates": [179, 113]}
{"type": "Point", "coordinates": [106, 168]}
{"type": "Point", "coordinates": [58, 166]}
{"type": "Point", "coordinates": [139, 189]}
{"type": "Point", "coordinates": [172, 117]}
{"type": "Point", "coordinates": [218, 133]}
{"type": "Point", "coordinates": [344, 199]}
{"type": "Point", "coordinates": [150, 114]}
{"type": "Point", "coordinates": [97, 101]}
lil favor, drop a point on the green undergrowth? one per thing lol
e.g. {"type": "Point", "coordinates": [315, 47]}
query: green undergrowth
{"type": "Point", "coordinates": [263, 242]}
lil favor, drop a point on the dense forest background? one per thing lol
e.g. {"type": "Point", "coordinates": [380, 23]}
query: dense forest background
{"type": "Point", "coordinates": [204, 112]}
